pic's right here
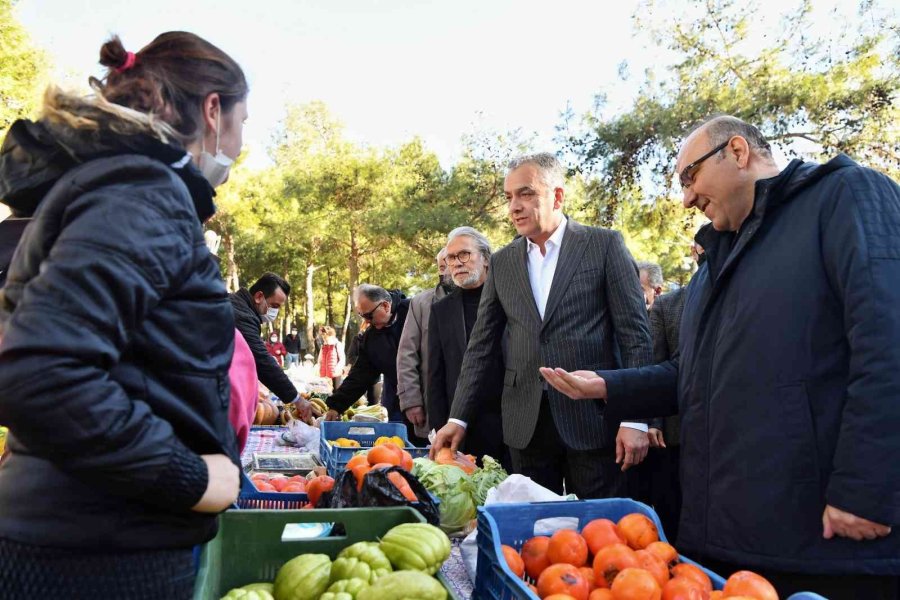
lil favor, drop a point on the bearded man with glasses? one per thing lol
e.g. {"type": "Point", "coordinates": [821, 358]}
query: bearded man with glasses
{"type": "Point", "coordinates": [788, 373]}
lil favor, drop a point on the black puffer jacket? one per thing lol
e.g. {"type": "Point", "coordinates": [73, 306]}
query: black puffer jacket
{"type": "Point", "coordinates": [117, 336]}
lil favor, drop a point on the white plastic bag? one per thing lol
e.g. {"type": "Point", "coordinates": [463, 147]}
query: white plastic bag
{"type": "Point", "coordinates": [305, 436]}
{"type": "Point", "coordinates": [516, 488]}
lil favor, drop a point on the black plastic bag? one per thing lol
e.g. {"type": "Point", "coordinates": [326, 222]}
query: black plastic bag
{"type": "Point", "coordinates": [378, 490]}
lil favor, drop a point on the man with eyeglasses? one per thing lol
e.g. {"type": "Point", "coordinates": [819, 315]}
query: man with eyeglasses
{"type": "Point", "coordinates": [452, 320]}
{"type": "Point", "coordinates": [377, 356]}
{"type": "Point", "coordinates": [788, 374]}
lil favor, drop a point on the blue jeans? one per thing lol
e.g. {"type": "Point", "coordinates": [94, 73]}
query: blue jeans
{"type": "Point", "coordinates": [291, 359]}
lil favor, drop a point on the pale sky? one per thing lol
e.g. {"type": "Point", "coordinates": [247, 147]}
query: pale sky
{"type": "Point", "coordinates": [389, 69]}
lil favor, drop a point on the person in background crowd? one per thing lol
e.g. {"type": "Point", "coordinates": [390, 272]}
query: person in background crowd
{"type": "Point", "coordinates": [651, 281]}
{"type": "Point", "coordinates": [319, 340]}
{"type": "Point", "coordinates": [117, 333]}
{"type": "Point", "coordinates": [294, 346]}
{"type": "Point", "coordinates": [276, 349]}
{"type": "Point", "coordinates": [788, 369]}
{"type": "Point", "coordinates": [386, 313]}
{"type": "Point", "coordinates": [452, 319]}
{"type": "Point", "coordinates": [563, 293]}
{"type": "Point", "coordinates": [412, 356]}
{"type": "Point", "coordinates": [332, 358]}
{"type": "Point", "coordinates": [640, 478]}
{"type": "Point", "coordinates": [252, 308]}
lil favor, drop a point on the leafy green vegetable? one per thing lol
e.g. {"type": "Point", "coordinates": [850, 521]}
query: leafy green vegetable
{"type": "Point", "coordinates": [483, 479]}
{"type": "Point", "coordinates": [453, 487]}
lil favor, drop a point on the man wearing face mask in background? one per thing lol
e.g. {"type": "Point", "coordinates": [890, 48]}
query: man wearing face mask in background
{"type": "Point", "coordinates": [252, 308]}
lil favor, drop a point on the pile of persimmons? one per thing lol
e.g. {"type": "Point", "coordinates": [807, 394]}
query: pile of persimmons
{"type": "Point", "coordinates": [621, 561]}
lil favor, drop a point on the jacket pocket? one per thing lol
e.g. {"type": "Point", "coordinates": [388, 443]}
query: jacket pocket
{"type": "Point", "coordinates": [795, 420]}
{"type": "Point", "coordinates": [509, 379]}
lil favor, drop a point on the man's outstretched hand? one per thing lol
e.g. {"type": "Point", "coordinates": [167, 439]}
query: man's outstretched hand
{"type": "Point", "coordinates": [578, 385]}
{"type": "Point", "coordinates": [450, 435]}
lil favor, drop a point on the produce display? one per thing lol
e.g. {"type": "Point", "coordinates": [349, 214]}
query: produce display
{"type": "Point", "coordinates": [459, 489]}
{"type": "Point", "coordinates": [620, 561]}
{"type": "Point", "coordinates": [313, 486]}
{"type": "Point", "coordinates": [400, 565]}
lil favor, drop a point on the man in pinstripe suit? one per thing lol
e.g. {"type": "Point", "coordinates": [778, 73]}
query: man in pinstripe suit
{"type": "Point", "coordinates": [565, 294]}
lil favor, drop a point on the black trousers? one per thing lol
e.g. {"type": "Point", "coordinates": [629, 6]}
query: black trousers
{"type": "Point", "coordinates": [656, 482]}
{"type": "Point", "coordinates": [833, 587]}
{"type": "Point", "coordinates": [548, 462]}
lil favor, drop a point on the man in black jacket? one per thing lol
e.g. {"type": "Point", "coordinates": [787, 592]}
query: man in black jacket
{"type": "Point", "coordinates": [294, 345]}
{"type": "Point", "coordinates": [252, 308]}
{"type": "Point", "coordinates": [386, 313]}
{"type": "Point", "coordinates": [788, 370]}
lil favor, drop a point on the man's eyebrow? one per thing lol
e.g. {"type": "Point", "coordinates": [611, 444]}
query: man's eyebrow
{"type": "Point", "coordinates": [524, 188]}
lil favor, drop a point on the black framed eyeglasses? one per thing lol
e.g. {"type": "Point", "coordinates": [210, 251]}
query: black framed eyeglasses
{"type": "Point", "coordinates": [463, 257]}
{"type": "Point", "coordinates": [686, 177]}
{"type": "Point", "coordinates": [368, 316]}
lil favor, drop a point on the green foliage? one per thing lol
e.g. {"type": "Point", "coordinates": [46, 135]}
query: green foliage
{"type": "Point", "coordinates": [23, 70]}
{"type": "Point", "coordinates": [833, 95]}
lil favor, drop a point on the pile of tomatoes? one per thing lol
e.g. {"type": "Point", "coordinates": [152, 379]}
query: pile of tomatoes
{"type": "Point", "coordinates": [621, 561]}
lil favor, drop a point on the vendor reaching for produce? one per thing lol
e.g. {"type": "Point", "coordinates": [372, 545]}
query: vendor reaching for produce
{"type": "Point", "coordinates": [252, 308]}
{"type": "Point", "coordinates": [386, 312]}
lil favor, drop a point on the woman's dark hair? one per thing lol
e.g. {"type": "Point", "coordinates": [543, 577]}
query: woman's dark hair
{"type": "Point", "coordinates": [170, 77]}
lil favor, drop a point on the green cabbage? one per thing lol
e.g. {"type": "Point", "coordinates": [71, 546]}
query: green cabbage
{"type": "Point", "coordinates": [483, 479]}
{"type": "Point", "coordinates": [454, 489]}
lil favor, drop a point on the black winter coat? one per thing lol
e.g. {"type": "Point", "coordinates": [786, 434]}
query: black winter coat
{"type": "Point", "coordinates": [117, 336]}
{"type": "Point", "coordinates": [377, 356]}
{"type": "Point", "coordinates": [269, 372]}
{"type": "Point", "coordinates": [788, 380]}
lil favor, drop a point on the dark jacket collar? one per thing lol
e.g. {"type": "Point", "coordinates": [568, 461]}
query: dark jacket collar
{"type": "Point", "coordinates": [723, 248]}
{"type": "Point", "coordinates": [35, 155]}
{"type": "Point", "coordinates": [244, 294]}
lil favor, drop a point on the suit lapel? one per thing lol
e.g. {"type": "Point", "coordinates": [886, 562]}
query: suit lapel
{"type": "Point", "coordinates": [570, 253]}
{"type": "Point", "coordinates": [520, 276]}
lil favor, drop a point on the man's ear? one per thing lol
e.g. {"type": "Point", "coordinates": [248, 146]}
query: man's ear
{"type": "Point", "coordinates": [559, 195]}
{"type": "Point", "coordinates": [741, 149]}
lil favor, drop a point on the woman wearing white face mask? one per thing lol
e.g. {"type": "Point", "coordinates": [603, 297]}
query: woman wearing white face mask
{"type": "Point", "coordinates": [276, 349]}
{"type": "Point", "coordinates": [117, 332]}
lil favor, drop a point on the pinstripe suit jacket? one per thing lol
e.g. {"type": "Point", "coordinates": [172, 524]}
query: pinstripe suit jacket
{"type": "Point", "coordinates": [595, 318]}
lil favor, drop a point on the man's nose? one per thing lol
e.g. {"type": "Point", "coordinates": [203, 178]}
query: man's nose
{"type": "Point", "coordinates": [689, 197]}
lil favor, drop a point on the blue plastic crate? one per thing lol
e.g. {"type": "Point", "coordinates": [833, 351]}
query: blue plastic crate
{"type": "Point", "coordinates": [335, 458]}
{"type": "Point", "coordinates": [513, 525]}
{"type": "Point", "coordinates": [252, 498]}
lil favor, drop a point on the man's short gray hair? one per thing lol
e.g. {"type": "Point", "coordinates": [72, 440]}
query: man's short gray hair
{"type": "Point", "coordinates": [552, 171]}
{"type": "Point", "coordinates": [653, 271]}
{"type": "Point", "coordinates": [721, 128]}
{"type": "Point", "coordinates": [481, 242]}
{"type": "Point", "coordinates": [373, 292]}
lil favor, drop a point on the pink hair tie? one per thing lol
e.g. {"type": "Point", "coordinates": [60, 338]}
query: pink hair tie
{"type": "Point", "coordinates": [130, 59]}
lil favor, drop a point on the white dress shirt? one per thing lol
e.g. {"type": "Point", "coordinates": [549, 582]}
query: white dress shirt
{"type": "Point", "coordinates": [541, 268]}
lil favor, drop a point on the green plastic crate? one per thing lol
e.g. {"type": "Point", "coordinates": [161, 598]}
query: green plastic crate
{"type": "Point", "coordinates": [248, 547]}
